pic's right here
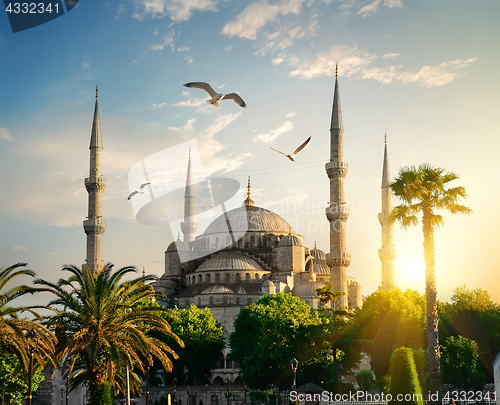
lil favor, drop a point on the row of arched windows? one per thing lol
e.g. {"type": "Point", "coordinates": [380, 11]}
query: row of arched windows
{"type": "Point", "coordinates": [217, 278]}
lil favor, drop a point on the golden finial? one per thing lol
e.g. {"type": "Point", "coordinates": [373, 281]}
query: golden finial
{"type": "Point", "coordinates": [337, 69]}
{"type": "Point", "coordinates": [385, 138]}
{"type": "Point", "coordinates": [143, 271]}
{"type": "Point", "coordinates": [290, 230]}
{"type": "Point", "coordinates": [315, 245]}
{"type": "Point", "coordinates": [248, 202]}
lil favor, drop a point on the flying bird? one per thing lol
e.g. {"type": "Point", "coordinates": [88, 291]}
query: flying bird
{"type": "Point", "coordinates": [216, 97]}
{"type": "Point", "coordinates": [291, 156]}
{"type": "Point", "coordinates": [138, 191]}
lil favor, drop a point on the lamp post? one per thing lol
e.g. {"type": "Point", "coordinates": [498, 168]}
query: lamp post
{"type": "Point", "coordinates": [128, 387]}
{"type": "Point", "coordinates": [174, 383]}
{"type": "Point", "coordinates": [294, 363]}
{"type": "Point", "coordinates": [147, 380]}
{"type": "Point", "coordinates": [31, 334]}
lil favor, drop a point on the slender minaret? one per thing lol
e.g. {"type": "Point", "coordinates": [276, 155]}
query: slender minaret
{"type": "Point", "coordinates": [337, 213]}
{"type": "Point", "coordinates": [188, 226]}
{"type": "Point", "coordinates": [387, 253]}
{"type": "Point", "coordinates": [95, 184]}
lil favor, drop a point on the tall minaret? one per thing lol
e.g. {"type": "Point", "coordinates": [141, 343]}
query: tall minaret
{"type": "Point", "coordinates": [95, 184]}
{"type": "Point", "coordinates": [188, 227]}
{"type": "Point", "coordinates": [337, 213]}
{"type": "Point", "coordinates": [387, 253]}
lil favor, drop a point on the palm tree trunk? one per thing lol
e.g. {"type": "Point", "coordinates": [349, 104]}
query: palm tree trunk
{"type": "Point", "coordinates": [431, 298]}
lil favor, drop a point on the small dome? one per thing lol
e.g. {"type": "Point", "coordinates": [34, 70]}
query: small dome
{"type": "Point", "coordinates": [217, 289]}
{"type": "Point", "coordinates": [354, 284]}
{"type": "Point", "coordinates": [178, 246]}
{"type": "Point", "coordinates": [290, 240]}
{"type": "Point", "coordinates": [318, 254]}
{"type": "Point", "coordinates": [229, 261]}
{"type": "Point", "coordinates": [320, 267]}
{"type": "Point", "coordinates": [307, 289]}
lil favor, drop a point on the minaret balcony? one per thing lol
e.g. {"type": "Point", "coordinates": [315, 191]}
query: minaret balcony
{"type": "Point", "coordinates": [97, 183]}
{"type": "Point", "coordinates": [338, 259]}
{"type": "Point", "coordinates": [335, 212]}
{"type": "Point", "coordinates": [334, 168]}
{"type": "Point", "coordinates": [94, 226]}
{"type": "Point", "coordinates": [387, 253]}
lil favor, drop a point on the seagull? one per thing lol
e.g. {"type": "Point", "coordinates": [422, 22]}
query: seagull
{"type": "Point", "coordinates": [291, 156]}
{"type": "Point", "coordinates": [216, 97]}
{"type": "Point", "coordinates": [138, 191]}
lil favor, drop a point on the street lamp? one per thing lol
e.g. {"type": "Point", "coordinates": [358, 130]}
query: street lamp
{"type": "Point", "coordinates": [30, 335]}
{"type": "Point", "coordinates": [294, 363]}
{"type": "Point", "coordinates": [174, 383]}
{"type": "Point", "coordinates": [147, 380]}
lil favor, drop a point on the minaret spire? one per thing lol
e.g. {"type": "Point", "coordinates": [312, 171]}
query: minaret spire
{"type": "Point", "coordinates": [188, 226]}
{"type": "Point", "coordinates": [337, 213]}
{"type": "Point", "coordinates": [248, 202]}
{"type": "Point", "coordinates": [387, 253]}
{"type": "Point", "coordinates": [95, 184]}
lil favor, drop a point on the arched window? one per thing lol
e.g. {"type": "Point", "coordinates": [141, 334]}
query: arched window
{"type": "Point", "coordinates": [211, 301]}
{"type": "Point", "coordinates": [237, 277]}
{"type": "Point", "coordinates": [252, 241]}
{"type": "Point", "coordinates": [247, 277]}
{"type": "Point", "coordinates": [227, 277]}
{"type": "Point", "coordinates": [208, 278]}
{"type": "Point", "coordinates": [217, 277]}
{"type": "Point", "coordinates": [237, 300]}
{"type": "Point", "coordinates": [194, 279]}
{"type": "Point", "coordinates": [257, 276]}
{"type": "Point", "coordinates": [240, 242]}
{"type": "Point", "coordinates": [200, 278]}
{"type": "Point", "coordinates": [187, 303]}
{"type": "Point", "coordinates": [199, 301]}
{"type": "Point", "coordinates": [264, 241]}
{"type": "Point", "coordinates": [249, 300]}
{"type": "Point", "coordinates": [224, 300]}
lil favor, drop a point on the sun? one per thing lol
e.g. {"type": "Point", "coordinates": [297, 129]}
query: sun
{"type": "Point", "coordinates": [410, 272]}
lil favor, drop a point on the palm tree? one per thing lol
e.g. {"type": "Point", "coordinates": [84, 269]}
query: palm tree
{"type": "Point", "coordinates": [13, 328]}
{"type": "Point", "coordinates": [103, 327]}
{"type": "Point", "coordinates": [422, 190]}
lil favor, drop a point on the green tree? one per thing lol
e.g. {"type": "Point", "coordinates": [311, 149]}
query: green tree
{"type": "Point", "coordinates": [13, 386]}
{"type": "Point", "coordinates": [203, 343]}
{"type": "Point", "coordinates": [473, 315]}
{"type": "Point", "coordinates": [390, 319]}
{"type": "Point", "coordinates": [404, 378]}
{"type": "Point", "coordinates": [269, 333]}
{"type": "Point", "coordinates": [364, 378]}
{"type": "Point", "coordinates": [459, 361]}
{"type": "Point", "coordinates": [13, 327]}
{"type": "Point", "coordinates": [423, 190]}
{"type": "Point", "coordinates": [102, 325]}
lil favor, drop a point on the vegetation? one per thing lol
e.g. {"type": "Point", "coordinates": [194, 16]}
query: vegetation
{"type": "Point", "coordinates": [404, 378]}
{"type": "Point", "coordinates": [14, 387]}
{"type": "Point", "coordinates": [102, 326]}
{"type": "Point", "coordinates": [102, 394]}
{"type": "Point", "coordinates": [473, 315]}
{"type": "Point", "coordinates": [13, 327]}
{"type": "Point", "coordinates": [391, 319]}
{"type": "Point", "coordinates": [423, 190]}
{"type": "Point", "coordinates": [364, 378]}
{"type": "Point", "coordinates": [203, 344]}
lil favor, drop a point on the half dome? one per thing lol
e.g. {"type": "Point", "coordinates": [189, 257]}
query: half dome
{"type": "Point", "coordinates": [229, 261]}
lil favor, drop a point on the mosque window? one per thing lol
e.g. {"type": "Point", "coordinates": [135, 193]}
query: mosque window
{"type": "Point", "coordinates": [257, 276]}
{"type": "Point", "coordinates": [194, 279]}
{"type": "Point", "coordinates": [208, 278]}
{"type": "Point", "coordinates": [237, 300]}
{"type": "Point", "coordinates": [224, 300]}
{"type": "Point", "coordinates": [237, 277]}
{"type": "Point", "coordinates": [217, 277]}
{"type": "Point", "coordinates": [252, 241]}
{"type": "Point", "coordinates": [247, 277]}
{"type": "Point", "coordinates": [211, 301]}
{"type": "Point", "coordinates": [249, 300]}
{"type": "Point", "coordinates": [227, 277]}
{"type": "Point", "coordinates": [264, 241]}
{"type": "Point", "coordinates": [200, 278]}
{"type": "Point", "coordinates": [240, 242]}
{"type": "Point", "coordinates": [199, 301]}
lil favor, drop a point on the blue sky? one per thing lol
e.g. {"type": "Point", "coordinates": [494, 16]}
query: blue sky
{"type": "Point", "coordinates": [425, 72]}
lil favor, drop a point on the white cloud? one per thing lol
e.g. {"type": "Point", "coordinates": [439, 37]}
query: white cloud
{"type": "Point", "coordinates": [220, 123]}
{"type": "Point", "coordinates": [251, 20]}
{"type": "Point", "coordinates": [155, 32]}
{"type": "Point", "coordinates": [390, 55]}
{"type": "Point", "coordinates": [189, 126]}
{"type": "Point", "coordinates": [185, 93]}
{"type": "Point", "coordinates": [276, 61]}
{"type": "Point", "coordinates": [134, 61]}
{"type": "Point", "coordinates": [372, 8]}
{"type": "Point", "coordinates": [393, 3]}
{"type": "Point", "coordinates": [184, 48]}
{"type": "Point", "coordinates": [291, 114]}
{"type": "Point", "coordinates": [86, 62]}
{"type": "Point", "coordinates": [188, 59]}
{"type": "Point", "coordinates": [194, 102]}
{"type": "Point", "coordinates": [178, 10]}
{"type": "Point", "coordinates": [275, 133]}
{"type": "Point", "coordinates": [5, 134]}
{"type": "Point", "coordinates": [168, 40]}
{"type": "Point", "coordinates": [228, 48]}
{"type": "Point", "coordinates": [17, 247]}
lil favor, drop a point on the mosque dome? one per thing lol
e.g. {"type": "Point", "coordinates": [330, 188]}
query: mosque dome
{"type": "Point", "coordinates": [290, 240]}
{"type": "Point", "coordinates": [217, 289]}
{"type": "Point", "coordinates": [320, 267]}
{"type": "Point", "coordinates": [248, 219]}
{"type": "Point", "coordinates": [354, 284]}
{"type": "Point", "coordinates": [178, 246]}
{"type": "Point", "coordinates": [307, 289]}
{"type": "Point", "coordinates": [318, 254]}
{"type": "Point", "coordinates": [230, 261]}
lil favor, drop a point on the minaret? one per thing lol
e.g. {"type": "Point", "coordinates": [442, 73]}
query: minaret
{"type": "Point", "coordinates": [387, 253]}
{"type": "Point", "coordinates": [337, 213]}
{"type": "Point", "coordinates": [95, 184]}
{"type": "Point", "coordinates": [188, 227]}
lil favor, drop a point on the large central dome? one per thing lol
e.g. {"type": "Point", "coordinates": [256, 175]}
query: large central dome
{"type": "Point", "coordinates": [249, 219]}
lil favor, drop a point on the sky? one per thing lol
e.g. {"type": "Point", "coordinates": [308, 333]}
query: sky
{"type": "Point", "coordinates": [424, 72]}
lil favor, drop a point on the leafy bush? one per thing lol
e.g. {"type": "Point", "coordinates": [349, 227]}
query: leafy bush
{"type": "Point", "coordinates": [364, 378]}
{"type": "Point", "coordinates": [102, 394]}
{"type": "Point", "coordinates": [404, 378]}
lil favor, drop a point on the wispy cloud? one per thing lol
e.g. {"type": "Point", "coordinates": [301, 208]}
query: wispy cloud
{"type": "Point", "coordinates": [192, 102]}
{"type": "Point", "coordinates": [373, 7]}
{"type": "Point", "coordinates": [177, 10]}
{"type": "Point", "coordinates": [253, 18]}
{"type": "Point", "coordinates": [5, 134]}
{"type": "Point", "coordinates": [168, 40]}
{"type": "Point", "coordinates": [189, 126]}
{"type": "Point", "coordinates": [86, 62]}
{"type": "Point", "coordinates": [390, 55]}
{"type": "Point", "coordinates": [17, 247]}
{"type": "Point", "coordinates": [291, 114]}
{"type": "Point", "coordinates": [275, 133]}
